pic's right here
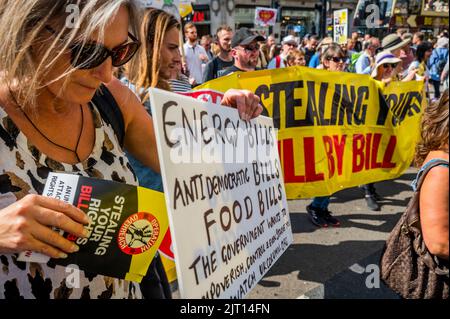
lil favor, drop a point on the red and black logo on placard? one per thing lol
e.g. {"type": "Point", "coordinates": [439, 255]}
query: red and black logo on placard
{"type": "Point", "coordinates": [138, 233]}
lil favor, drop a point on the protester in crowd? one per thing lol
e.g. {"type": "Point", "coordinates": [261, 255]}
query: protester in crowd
{"type": "Point", "coordinates": [274, 51]}
{"type": "Point", "coordinates": [178, 81]}
{"type": "Point", "coordinates": [419, 65]}
{"type": "Point", "coordinates": [315, 60]}
{"type": "Point", "coordinates": [304, 42]}
{"type": "Point", "coordinates": [50, 123]}
{"type": "Point", "coordinates": [245, 51]}
{"type": "Point", "coordinates": [262, 62]}
{"type": "Point", "coordinates": [310, 47]}
{"type": "Point", "coordinates": [196, 55]}
{"type": "Point", "coordinates": [295, 57]}
{"type": "Point", "coordinates": [271, 41]}
{"type": "Point", "coordinates": [385, 67]}
{"type": "Point", "coordinates": [357, 43]}
{"type": "Point", "coordinates": [365, 61]}
{"type": "Point", "coordinates": [444, 76]}
{"type": "Point", "coordinates": [434, 193]}
{"type": "Point", "coordinates": [394, 44]}
{"type": "Point", "coordinates": [215, 49]}
{"type": "Point", "coordinates": [436, 64]}
{"type": "Point", "coordinates": [289, 43]}
{"type": "Point", "coordinates": [224, 59]}
{"type": "Point", "coordinates": [206, 42]}
{"type": "Point", "coordinates": [267, 46]}
{"type": "Point", "coordinates": [333, 59]}
{"type": "Point", "coordinates": [407, 53]}
{"type": "Point", "coordinates": [401, 31]}
{"type": "Point", "coordinates": [417, 39]}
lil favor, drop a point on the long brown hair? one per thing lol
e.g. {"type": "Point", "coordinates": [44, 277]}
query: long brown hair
{"type": "Point", "coordinates": [143, 71]}
{"type": "Point", "coordinates": [434, 134]}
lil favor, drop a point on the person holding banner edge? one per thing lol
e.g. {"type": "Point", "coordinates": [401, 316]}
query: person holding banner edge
{"type": "Point", "coordinates": [50, 124]}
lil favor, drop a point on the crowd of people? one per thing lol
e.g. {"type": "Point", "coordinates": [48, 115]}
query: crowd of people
{"type": "Point", "coordinates": [54, 79]}
{"type": "Point", "coordinates": [399, 56]}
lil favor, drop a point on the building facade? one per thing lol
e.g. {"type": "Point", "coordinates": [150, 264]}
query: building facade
{"type": "Point", "coordinates": [295, 17]}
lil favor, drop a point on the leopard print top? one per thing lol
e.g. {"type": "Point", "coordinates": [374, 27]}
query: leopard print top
{"type": "Point", "coordinates": [23, 170]}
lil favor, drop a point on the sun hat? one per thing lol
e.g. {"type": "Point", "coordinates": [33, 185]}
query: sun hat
{"type": "Point", "coordinates": [324, 43]}
{"type": "Point", "coordinates": [393, 42]}
{"type": "Point", "coordinates": [383, 58]}
{"type": "Point", "coordinates": [289, 39]}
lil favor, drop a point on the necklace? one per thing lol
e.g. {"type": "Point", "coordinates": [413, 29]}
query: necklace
{"type": "Point", "coordinates": [75, 150]}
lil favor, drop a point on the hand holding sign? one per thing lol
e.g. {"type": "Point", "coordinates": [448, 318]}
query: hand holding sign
{"type": "Point", "coordinates": [245, 101]}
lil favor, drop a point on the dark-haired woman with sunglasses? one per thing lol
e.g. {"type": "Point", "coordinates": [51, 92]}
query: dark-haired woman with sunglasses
{"type": "Point", "coordinates": [419, 65]}
{"type": "Point", "coordinates": [56, 69]}
{"type": "Point", "coordinates": [334, 58]}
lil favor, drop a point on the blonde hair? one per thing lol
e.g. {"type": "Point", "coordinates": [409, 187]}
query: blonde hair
{"type": "Point", "coordinates": [434, 131]}
{"type": "Point", "coordinates": [22, 25]}
{"type": "Point", "coordinates": [143, 71]}
{"type": "Point", "coordinates": [292, 55]}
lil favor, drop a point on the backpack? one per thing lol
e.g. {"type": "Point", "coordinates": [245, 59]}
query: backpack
{"type": "Point", "coordinates": [277, 62]}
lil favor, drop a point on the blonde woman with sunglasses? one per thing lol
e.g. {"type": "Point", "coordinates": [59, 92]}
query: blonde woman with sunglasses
{"type": "Point", "coordinates": [52, 71]}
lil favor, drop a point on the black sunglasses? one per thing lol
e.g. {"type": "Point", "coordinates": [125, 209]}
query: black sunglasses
{"type": "Point", "coordinates": [336, 59]}
{"type": "Point", "coordinates": [392, 65]}
{"type": "Point", "coordinates": [91, 55]}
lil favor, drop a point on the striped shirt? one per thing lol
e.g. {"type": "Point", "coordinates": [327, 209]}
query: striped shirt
{"type": "Point", "coordinates": [181, 84]}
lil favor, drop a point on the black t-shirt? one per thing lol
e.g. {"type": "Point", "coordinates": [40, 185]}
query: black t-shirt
{"type": "Point", "coordinates": [308, 55]}
{"type": "Point", "coordinates": [215, 68]}
{"type": "Point", "coordinates": [234, 68]}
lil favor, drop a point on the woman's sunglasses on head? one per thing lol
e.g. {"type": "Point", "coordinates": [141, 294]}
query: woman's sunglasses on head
{"type": "Point", "coordinates": [91, 55]}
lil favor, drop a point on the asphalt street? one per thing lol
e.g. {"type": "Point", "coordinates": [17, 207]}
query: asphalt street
{"type": "Point", "coordinates": [338, 262]}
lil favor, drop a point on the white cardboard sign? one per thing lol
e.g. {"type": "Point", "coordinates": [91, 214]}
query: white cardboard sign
{"type": "Point", "coordinates": [225, 195]}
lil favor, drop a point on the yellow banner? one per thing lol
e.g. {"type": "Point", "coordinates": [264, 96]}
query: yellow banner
{"type": "Point", "coordinates": [336, 129]}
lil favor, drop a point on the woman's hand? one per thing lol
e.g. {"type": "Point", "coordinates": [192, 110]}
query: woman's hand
{"type": "Point", "coordinates": [26, 225]}
{"type": "Point", "coordinates": [245, 101]}
{"type": "Point", "coordinates": [410, 76]}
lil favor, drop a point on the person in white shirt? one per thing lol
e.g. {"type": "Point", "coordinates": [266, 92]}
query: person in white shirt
{"type": "Point", "coordinates": [195, 55]}
{"type": "Point", "coordinates": [289, 42]}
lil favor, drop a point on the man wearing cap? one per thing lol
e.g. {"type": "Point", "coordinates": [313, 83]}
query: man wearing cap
{"type": "Point", "coordinates": [289, 42]}
{"type": "Point", "coordinates": [245, 51]}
